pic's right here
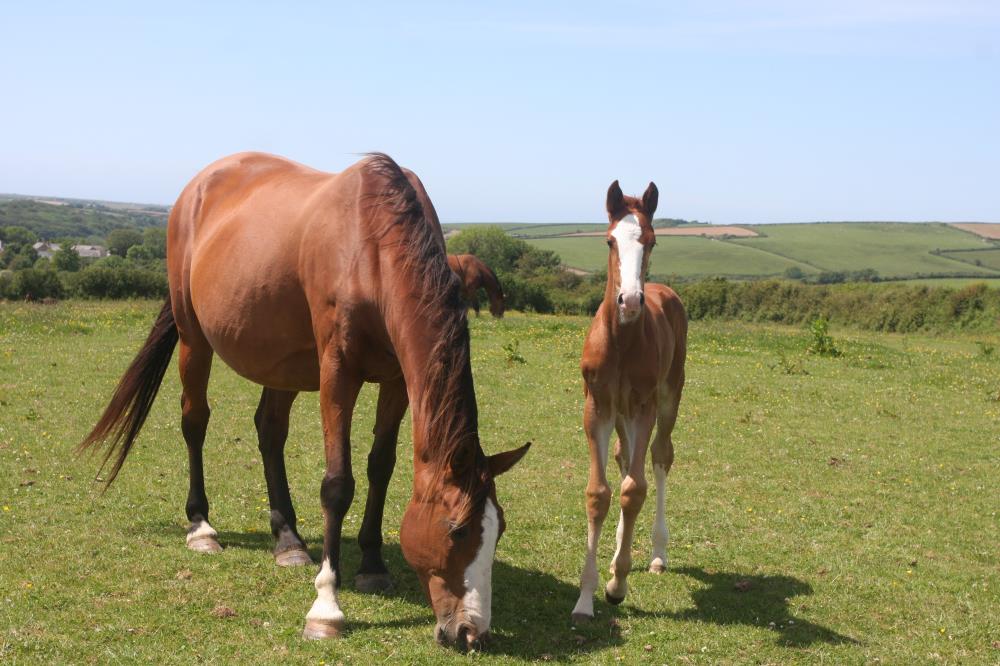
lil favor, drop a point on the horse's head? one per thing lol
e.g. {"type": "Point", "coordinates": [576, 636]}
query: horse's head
{"type": "Point", "coordinates": [449, 536]}
{"type": "Point", "coordinates": [497, 305]}
{"type": "Point", "coordinates": [631, 238]}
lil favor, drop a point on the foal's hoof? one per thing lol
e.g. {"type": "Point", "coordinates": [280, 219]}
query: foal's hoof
{"type": "Point", "coordinates": [614, 601]}
{"type": "Point", "coordinates": [581, 618]}
{"type": "Point", "coordinates": [317, 630]}
{"type": "Point", "coordinates": [372, 583]}
{"type": "Point", "coordinates": [204, 544]}
{"type": "Point", "coordinates": [295, 557]}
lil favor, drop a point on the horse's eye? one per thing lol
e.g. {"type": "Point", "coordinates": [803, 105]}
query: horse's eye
{"type": "Point", "coordinates": [610, 242]}
{"type": "Point", "coordinates": [458, 533]}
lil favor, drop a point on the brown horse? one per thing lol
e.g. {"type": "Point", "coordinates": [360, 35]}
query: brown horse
{"type": "Point", "coordinates": [633, 371]}
{"type": "Point", "coordinates": [474, 274]}
{"type": "Point", "coordinates": [300, 281]}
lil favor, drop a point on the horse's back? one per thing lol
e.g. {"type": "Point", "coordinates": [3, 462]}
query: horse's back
{"type": "Point", "coordinates": [235, 247]}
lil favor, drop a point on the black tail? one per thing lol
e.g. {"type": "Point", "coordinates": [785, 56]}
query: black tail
{"type": "Point", "coordinates": [123, 418]}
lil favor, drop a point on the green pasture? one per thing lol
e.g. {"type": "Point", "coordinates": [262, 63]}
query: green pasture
{"type": "Point", "coordinates": [892, 249]}
{"type": "Point", "coordinates": [834, 510]}
{"type": "Point", "coordinates": [686, 256]}
{"type": "Point", "coordinates": [989, 257]}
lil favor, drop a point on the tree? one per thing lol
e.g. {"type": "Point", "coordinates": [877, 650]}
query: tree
{"type": "Point", "coordinates": [15, 235]}
{"type": "Point", "coordinates": [66, 259]}
{"type": "Point", "coordinates": [140, 254]}
{"type": "Point", "coordinates": [155, 238]}
{"type": "Point", "coordinates": [120, 240]}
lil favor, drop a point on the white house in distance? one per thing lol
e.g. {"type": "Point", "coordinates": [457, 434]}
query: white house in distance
{"type": "Point", "coordinates": [47, 250]}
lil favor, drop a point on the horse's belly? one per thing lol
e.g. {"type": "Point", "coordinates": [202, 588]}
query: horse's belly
{"type": "Point", "coordinates": [262, 329]}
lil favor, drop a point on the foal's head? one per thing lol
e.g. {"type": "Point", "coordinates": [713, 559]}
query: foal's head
{"type": "Point", "coordinates": [449, 537]}
{"type": "Point", "coordinates": [631, 238]}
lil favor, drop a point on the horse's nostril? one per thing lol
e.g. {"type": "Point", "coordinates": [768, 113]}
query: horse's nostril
{"type": "Point", "coordinates": [642, 299]}
{"type": "Point", "coordinates": [621, 299]}
{"type": "Point", "coordinates": [462, 639]}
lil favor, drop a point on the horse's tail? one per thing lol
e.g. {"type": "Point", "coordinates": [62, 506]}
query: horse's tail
{"type": "Point", "coordinates": [133, 398]}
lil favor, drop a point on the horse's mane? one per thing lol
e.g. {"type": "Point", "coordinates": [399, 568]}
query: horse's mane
{"type": "Point", "coordinates": [448, 406]}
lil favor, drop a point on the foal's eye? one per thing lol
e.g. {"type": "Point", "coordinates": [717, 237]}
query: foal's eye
{"type": "Point", "coordinates": [610, 242]}
{"type": "Point", "coordinates": [459, 532]}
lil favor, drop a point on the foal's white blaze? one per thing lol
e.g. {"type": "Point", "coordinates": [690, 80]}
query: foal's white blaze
{"type": "Point", "coordinates": [478, 575]}
{"type": "Point", "coordinates": [326, 608]}
{"type": "Point", "coordinates": [626, 234]}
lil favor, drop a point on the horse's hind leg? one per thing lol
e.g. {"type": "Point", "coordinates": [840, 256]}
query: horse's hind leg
{"type": "Point", "coordinates": [195, 364]}
{"type": "Point", "coordinates": [373, 576]}
{"type": "Point", "coordinates": [663, 458]}
{"type": "Point", "coordinates": [271, 420]}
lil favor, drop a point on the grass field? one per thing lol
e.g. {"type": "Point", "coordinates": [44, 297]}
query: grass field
{"type": "Point", "coordinates": [834, 510]}
{"type": "Point", "coordinates": [685, 256]}
{"type": "Point", "coordinates": [891, 249]}
{"type": "Point", "coordinates": [894, 250]}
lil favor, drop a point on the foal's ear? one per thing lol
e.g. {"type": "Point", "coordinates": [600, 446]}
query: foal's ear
{"type": "Point", "coordinates": [501, 462]}
{"type": "Point", "coordinates": [650, 199]}
{"type": "Point", "coordinates": [616, 199]}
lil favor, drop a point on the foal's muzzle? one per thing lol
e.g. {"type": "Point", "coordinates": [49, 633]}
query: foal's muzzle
{"type": "Point", "coordinates": [462, 635]}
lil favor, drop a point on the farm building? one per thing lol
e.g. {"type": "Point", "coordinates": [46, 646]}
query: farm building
{"type": "Point", "coordinates": [47, 250]}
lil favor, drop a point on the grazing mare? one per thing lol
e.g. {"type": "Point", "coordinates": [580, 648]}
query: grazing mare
{"type": "Point", "coordinates": [301, 281]}
{"type": "Point", "coordinates": [633, 372]}
{"type": "Point", "coordinates": [474, 274]}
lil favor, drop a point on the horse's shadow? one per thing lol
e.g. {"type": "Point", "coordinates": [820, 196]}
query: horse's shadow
{"type": "Point", "coordinates": [759, 601]}
{"type": "Point", "coordinates": [531, 608]}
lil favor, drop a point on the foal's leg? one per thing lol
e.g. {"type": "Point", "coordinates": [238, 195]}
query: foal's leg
{"type": "Point", "coordinates": [624, 446]}
{"type": "Point", "coordinates": [633, 494]}
{"type": "Point", "coordinates": [598, 430]}
{"type": "Point", "coordinates": [271, 420]}
{"type": "Point", "coordinates": [373, 576]}
{"type": "Point", "coordinates": [195, 364]}
{"type": "Point", "coordinates": [663, 458]}
{"type": "Point", "coordinates": [338, 392]}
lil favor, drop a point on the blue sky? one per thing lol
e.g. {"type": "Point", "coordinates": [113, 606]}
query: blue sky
{"type": "Point", "coordinates": [741, 111]}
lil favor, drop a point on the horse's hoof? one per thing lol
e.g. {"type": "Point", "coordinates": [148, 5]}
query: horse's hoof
{"type": "Point", "coordinates": [657, 568]}
{"type": "Point", "coordinates": [614, 601]}
{"type": "Point", "coordinates": [372, 583]}
{"type": "Point", "coordinates": [580, 618]}
{"type": "Point", "coordinates": [317, 630]}
{"type": "Point", "coordinates": [204, 544]}
{"type": "Point", "coordinates": [295, 557]}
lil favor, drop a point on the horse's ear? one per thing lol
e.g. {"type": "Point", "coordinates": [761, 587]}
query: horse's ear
{"type": "Point", "coordinates": [650, 199]}
{"type": "Point", "coordinates": [501, 462]}
{"type": "Point", "coordinates": [616, 199]}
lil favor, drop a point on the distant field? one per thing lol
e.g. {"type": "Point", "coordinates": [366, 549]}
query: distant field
{"type": "Point", "coordinates": [985, 230]}
{"type": "Point", "coordinates": [990, 258]}
{"type": "Point", "coordinates": [952, 282]}
{"type": "Point", "coordinates": [892, 249]}
{"type": "Point", "coordinates": [677, 255]}
{"type": "Point", "coordinates": [700, 230]}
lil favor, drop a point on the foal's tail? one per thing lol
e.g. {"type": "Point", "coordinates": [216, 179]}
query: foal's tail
{"type": "Point", "coordinates": [133, 398]}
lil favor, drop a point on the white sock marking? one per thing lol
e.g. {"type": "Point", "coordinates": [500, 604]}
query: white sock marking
{"type": "Point", "coordinates": [326, 607]}
{"type": "Point", "coordinates": [661, 534]}
{"type": "Point", "coordinates": [203, 530]}
{"type": "Point", "coordinates": [479, 574]}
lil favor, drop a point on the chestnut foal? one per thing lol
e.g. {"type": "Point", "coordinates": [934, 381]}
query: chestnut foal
{"type": "Point", "coordinates": [633, 371]}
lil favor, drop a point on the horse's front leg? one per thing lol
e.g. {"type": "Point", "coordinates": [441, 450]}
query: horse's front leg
{"type": "Point", "coordinates": [633, 495]}
{"type": "Point", "coordinates": [339, 387]}
{"type": "Point", "coordinates": [373, 576]}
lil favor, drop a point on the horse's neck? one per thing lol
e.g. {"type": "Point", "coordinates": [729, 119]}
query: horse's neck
{"type": "Point", "coordinates": [435, 361]}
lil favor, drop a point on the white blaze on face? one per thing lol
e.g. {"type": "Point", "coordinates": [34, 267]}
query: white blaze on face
{"type": "Point", "coordinates": [479, 574]}
{"type": "Point", "coordinates": [626, 234]}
